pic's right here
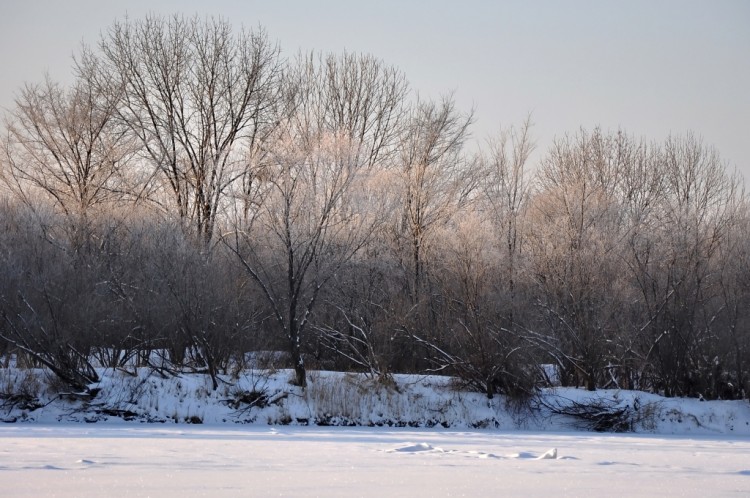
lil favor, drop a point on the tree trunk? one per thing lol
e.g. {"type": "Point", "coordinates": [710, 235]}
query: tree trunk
{"type": "Point", "coordinates": [299, 363]}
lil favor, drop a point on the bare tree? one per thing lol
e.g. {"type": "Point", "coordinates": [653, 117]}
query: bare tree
{"type": "Point", "coordinates": [731, 375]}
{"type": "Point", "coordinates": [306, 229]}
{"type": "Point", "coordinates": [67, 145]}
{"type": "Point", "coordinates": [677, 264]}
{"type": "Point", "coordinates": [480, 348]}
{"type": "Point", "coordinates": [575, 240]}
{"type": "Point", "coordinates": [479, 267]}
{"type": "Point", "coordinates": [195, 93]}
{"type": "Point", "coordinates": [355, 94]}
{"type": "Point", "coordinates": [506, 188]}
{"type": "Point", "coordinates": [436, 178]}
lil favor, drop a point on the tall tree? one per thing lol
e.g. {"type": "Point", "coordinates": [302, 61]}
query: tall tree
{"type": "Point", "coordinates": [309, 225]}
{"type": "Point", "coordinates": [355, 94]}
{"type": "Point", "coordinates": [195, 92]}
{"type": "Point", "coordinates": [435, 176]}
{"type": "Point", "coordinates": [66, 144]}
{"type": "Point", "coordinates": [575, 241]}
{"type": "Point", "coordinates": [506, 188]}
{"type": "Point", "coordinates": [678, 263]}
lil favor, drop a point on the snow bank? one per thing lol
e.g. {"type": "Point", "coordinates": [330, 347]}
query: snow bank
{"type": "Point", "coordinates": [266, 397]}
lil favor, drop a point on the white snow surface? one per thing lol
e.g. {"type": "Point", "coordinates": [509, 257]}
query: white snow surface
{"type": "Point", "coordinates": [69, 460]}
{"type": "Point", "coordinates": [418, 436]}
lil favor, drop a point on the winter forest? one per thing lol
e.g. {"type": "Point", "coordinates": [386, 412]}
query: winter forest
{"type": "Point", "coordinates": [197, 195]}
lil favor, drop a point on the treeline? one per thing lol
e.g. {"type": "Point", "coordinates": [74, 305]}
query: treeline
{"type": "Point", "coordinates": [195, 194]}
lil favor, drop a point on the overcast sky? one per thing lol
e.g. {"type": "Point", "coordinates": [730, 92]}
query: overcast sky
{"type": "Point", "coordinates": [649, 67]}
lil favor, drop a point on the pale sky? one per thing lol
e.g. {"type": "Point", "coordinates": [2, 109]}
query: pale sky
{"type": "Point", "coordinates": [650, 67]}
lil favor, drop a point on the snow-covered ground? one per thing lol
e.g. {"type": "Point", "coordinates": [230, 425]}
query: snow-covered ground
{"type": "Point", "coordinates": [186, 460]}
{"type": "Point", "coordinates": [415, 436]}
{"type": "Point", "coordinates": [332, 398]}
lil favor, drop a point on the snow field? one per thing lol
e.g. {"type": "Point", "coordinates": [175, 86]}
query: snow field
{"type": "Point", "coordinates": [69, 460]}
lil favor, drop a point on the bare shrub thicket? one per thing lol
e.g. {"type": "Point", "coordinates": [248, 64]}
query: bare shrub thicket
{"type": "Point", "coordinates": [194, 197]}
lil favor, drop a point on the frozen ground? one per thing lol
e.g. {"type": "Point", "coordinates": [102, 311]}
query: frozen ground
{"type": "Point", "coordinates": [183, 460]}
